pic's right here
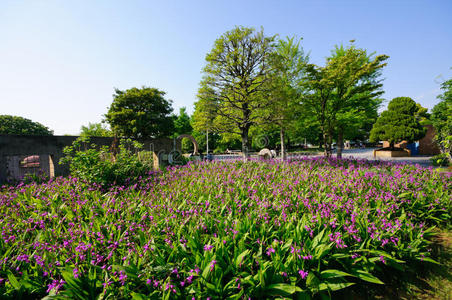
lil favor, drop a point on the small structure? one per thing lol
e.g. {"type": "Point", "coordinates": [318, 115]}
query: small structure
{"type": "Point", "coordinates": [265, 154]}
{"type": "Point", "coordinates": [397, 152]}
{"type": "Point", "coordinates": [425, 146]}
{"type": "Point", "coordinates": [192, 139]}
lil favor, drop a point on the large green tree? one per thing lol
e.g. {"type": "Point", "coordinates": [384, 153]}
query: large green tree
{"type": "Point", "coordinates": [140, 113]}
{"type": "Point", "coordinates": [287, 63]}
{"type": "Point", "coordinates": [358, 105]}
{"type": "Point", "coordinates": [234, 83]}
{"type": "Point", "coordinates": [182, 123]}
{"type": "Point", "coordinates": [95, 129]}
{"type": "Point", "coordinates": [22, 126]}
{"type": "Point", "coordinates": [442, 119]}
{"type": "Point", "coordinates": [398, 123]}
{"type": "Point", "coordinates": [341, 89]}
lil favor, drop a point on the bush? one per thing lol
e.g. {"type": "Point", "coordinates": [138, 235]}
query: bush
{"type": "Point", "coordinates": [99, 165]}
{"type": "Point", "coordinates": [440, 160]}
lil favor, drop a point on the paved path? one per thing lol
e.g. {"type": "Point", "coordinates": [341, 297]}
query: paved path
{"type": "Point", "coordinates": [367, 153]}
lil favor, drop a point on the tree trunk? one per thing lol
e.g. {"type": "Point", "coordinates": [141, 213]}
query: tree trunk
{"type": "Point", "coordinates": [245, 143]}
{"type": "Point", "coordinates": [288, 145]}
{"type": "Point", "coordinates": [330, 143]}
{"type": "Point", "coordinates": [391, 145]}
{"type": "Point", "coordinates": [327, 150]}
{"type": "Point", "coordinates": [340, 144]}
{"type": "Point", "coordinates": [283, 148]}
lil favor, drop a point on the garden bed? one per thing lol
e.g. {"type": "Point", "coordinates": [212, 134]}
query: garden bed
{"type": "Point", "coordinates": [304, 228]}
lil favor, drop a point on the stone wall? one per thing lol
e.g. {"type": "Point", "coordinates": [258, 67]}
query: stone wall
{"type": "Point", "coordinates": [14, 148]}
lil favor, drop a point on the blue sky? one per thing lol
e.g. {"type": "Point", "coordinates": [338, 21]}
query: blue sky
{"type": "Point", "coordinates": [60, 60]}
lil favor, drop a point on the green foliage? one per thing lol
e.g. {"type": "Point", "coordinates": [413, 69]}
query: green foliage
{"type": "Point", "coordinates": [95, 129]}
{"type": "Point", "coordinates": [306, 126]}
{"type": "Point", "coordinates": [21, 126]}
{"type": "Point", "coordinates": [287, 63]}
{"type": "Point", "coordinates": [344, 92]}
{"type": "Point", "coordinates": [182, 123]}
{"type": "Point", "coordinates": [232, 91]}
{"type": "Point", "coordinates": [100, 166]}
{"type": "Point", "coordinates": [221, 230]}
{"type": "Point", "coordinates": [140, 113]}
{"type": "Point", "coordinates": [398, 123]}
{"type": "Point", "coordinates": [440, 160]}
{"type": "Point", "coordinates": [442, 119]}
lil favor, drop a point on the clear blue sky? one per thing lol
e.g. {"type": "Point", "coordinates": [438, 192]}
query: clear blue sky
{"type": "Point", "coordinates": [60, 60]}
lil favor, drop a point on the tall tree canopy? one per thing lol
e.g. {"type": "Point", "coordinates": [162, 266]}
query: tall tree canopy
{"type": "Point", "coordinates": [140, 113]}
{"type": "Point", "coordinates": [234, 83]}
{"type": "Point", "coordinates": [398, 123]}
{"type": "Point", "coordinates": [287, 63]}
{"type": "Point", "coordinates": [344, 91]}
{"type": "Point", "coordinates": [22, 126]}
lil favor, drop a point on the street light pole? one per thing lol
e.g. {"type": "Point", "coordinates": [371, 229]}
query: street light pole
{"type": "Point", "coordinates": [207, 142]}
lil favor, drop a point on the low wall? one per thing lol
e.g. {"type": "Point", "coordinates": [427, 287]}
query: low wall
{"type": "Point", "coordinates": [13, 148]}
{"type": "Point", "coordinates": [389, 153]}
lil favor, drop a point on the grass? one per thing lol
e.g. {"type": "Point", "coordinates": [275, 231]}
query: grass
{"type": "Point", "coordinates": [436, 282]}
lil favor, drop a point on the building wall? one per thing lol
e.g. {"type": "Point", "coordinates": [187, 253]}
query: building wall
{"type": "Point", "coordinates": [428, 145]}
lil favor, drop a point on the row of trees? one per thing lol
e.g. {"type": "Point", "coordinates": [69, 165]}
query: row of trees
{"type": "Point", "coordinates": [261, 91]}
{"type": "Point", "coordinates": [252, 80]}
{"type": "Point", "coordinates": [22, 126]}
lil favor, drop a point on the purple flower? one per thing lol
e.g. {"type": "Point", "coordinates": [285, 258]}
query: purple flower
{"type": "Point", "coordinates": [122, 277]}
{"type": "Point", "coordinates": [303, 274]}
{"type": "Point", "coordinates": [208, 247]}
{"type": "Point", "coordinates": [212, 264]}
{"type": "Point", "coordinates": [270, 251]}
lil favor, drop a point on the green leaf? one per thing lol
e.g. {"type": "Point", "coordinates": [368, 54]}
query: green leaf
{"type": "Point", "coordinates": [239, 258]}
{"type": "Point", "coordinates": [335, 286]}
{"type": "Point", "coordinates": [363, 275]}
{"type": "Point", "coordinates": [138, 296]}
{"type": "Point", "coordinates": [332, 273]}
{"type": "Point", "coordinates": [317, 239]}
{"type": "Point", "coordinates": [282, 289]}
{"type": "Point", "coordinates": [14, 282]}
{"type": "Point", "coordinates": [430, 260]}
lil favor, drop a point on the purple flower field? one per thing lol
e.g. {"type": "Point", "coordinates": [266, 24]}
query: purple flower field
{"type": "Point", "coordinates": [304, 228]}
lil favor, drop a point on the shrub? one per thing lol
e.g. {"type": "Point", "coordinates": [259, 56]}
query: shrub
{"type": "Point", "coordinates": [99, 165]}
{"type": "Point", "coordinates": [398, 123]}
{"type": "Point", "coordinates": [440, 160]}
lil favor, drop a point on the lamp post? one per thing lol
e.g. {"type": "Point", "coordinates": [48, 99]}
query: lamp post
{"type": "Point", "coordinates": [207, 142]}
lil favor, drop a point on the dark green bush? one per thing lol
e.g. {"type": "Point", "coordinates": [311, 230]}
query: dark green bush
{"type": "Point", "coordinates": [440, 160]}
{"type": "Point", "coordinates": [99, 165]}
